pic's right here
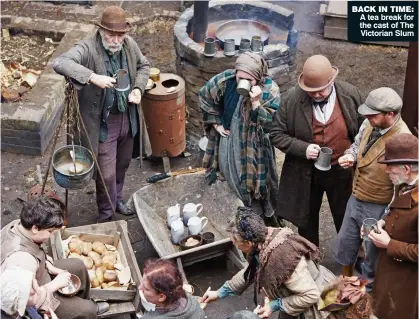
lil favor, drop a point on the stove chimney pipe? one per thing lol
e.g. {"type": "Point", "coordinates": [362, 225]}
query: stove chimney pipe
{"type": "Point", "coordinates": [200, 20]}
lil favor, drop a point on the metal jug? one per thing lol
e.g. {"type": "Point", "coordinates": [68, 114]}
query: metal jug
{"type": "Point", "coordinates": [176, 231]}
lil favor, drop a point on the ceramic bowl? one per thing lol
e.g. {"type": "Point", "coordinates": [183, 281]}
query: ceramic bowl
{"type": "Point", "coordinates": [184, 240]}
{"type": "Point", "coordinates": [72, 289]}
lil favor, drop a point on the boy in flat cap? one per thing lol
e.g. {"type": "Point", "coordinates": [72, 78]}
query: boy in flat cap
{"type": "Point", "coordinates": [396, 280]}
{"type": "Point", "coordinates": [372, 188]}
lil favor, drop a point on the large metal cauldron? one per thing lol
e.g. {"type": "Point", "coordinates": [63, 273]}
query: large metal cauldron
{"type": "Point", "coordinates": [164, 113]}
{"type": "Point", "coordinates": [63, 170]}
{"type": "Point", "coordinates": [242, 28]}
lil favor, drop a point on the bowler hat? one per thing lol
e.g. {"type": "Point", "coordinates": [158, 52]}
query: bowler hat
{"type": "Point", "coordinates": [317, 74]}
{"type": "Point", "coordinates": [400, 149]}
{"type": "Point", "coordinates": [113, 19]}
{"type": "Point", "coordinates": [381, 100]}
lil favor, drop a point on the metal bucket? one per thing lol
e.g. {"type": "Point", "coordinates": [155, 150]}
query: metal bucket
{"type": "Point", "coordinates": [62, 162]}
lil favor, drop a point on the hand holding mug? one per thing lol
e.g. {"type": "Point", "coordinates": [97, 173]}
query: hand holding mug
{"type": "Point", "coordinates": [312, 151]}
{"type": "Point", "coordinates": [255, 94]}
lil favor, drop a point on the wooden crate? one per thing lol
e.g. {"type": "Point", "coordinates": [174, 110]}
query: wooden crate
{"type": "Point", "coordinates": [113, 233]}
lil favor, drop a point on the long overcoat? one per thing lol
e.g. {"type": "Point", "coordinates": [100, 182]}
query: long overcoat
{"type": "Point", "coordinates": [80, 62]}
{"type": "Point", "coordinates": [396, 278]}
{"type": "Point", "coordinates": [292, 133]}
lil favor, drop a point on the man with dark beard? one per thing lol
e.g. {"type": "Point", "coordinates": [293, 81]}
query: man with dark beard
{"type": "Point", "coordinates": [111, 117]}
{"type": "Point", "coordinates": [320, 112]}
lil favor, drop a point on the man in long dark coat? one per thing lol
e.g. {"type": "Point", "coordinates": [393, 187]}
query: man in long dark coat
{"type": "Point", "coordinates": [396, 280]}
{"type": "Point", "coordinates": [320, 112]}
{"type": "Point", "coordinates": [111, 116]}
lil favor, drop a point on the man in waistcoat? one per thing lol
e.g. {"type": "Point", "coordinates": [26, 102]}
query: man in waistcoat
{"type": "Point", "coordinates": [21, 250]}
{"type": "Point", "coordinates": [111, 117]}
{"type": "Point", "coordinates": [396, 280]}
{"type": "Point", "coordinates": [372, 188]}
{"type": "Point", "coordinates": [319, 112]}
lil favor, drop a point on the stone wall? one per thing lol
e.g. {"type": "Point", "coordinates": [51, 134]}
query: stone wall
{"type": "Point", "coordinates": [196, 69]}
{"type": "Point", "coordinates": [28, 126]}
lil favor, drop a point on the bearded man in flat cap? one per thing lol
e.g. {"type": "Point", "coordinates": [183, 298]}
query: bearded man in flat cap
{"type": "Point", "coordinates": [111, 116]}
{"type": "Point", "coordinates": [238, 133]}
{"type": "Point", "coordinates": [320, 112]}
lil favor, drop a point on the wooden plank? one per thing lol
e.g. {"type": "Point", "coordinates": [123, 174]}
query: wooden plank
{"type": "Point", "coordinates": [113, 294]}
{"type": "Point", "coordinates": [337, 28]}
{"type": "Point", "coordinates": [200, 249]}
{"type": "Point", "coordinates": [182, 272]}
{"type": "Point", "coordinates": [337, 8]}
{"type": "Point", "coordinates": [112, 239]}
{"type": "Point", "coordinates": [132, 263]}
{"type": "Point", "coordinates": [118, 308]}
{"type": "Point", "coordinates": [156, 230]}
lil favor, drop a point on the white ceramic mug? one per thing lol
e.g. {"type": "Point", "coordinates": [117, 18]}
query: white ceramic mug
{"type": "Point", "coordinates": [196, 224]}
{"type": "Point", "coordinates": [176, 231]}
{"type": "Point", "coordinates": [191, 210]}
{"type": "Point", "coordinates": [173, 213]}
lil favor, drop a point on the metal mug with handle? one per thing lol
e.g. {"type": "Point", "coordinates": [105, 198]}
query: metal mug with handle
{"type": "Point", "coordinates": [209, 47]}
{"type": "Point", "coordinates": [122, 80]}
{"type": "Point", "coordinates": [244, 45]}
{"type": "Point", "coordinates": [229, 47]}
{"type": "Point", "coordinates": [256, 44]}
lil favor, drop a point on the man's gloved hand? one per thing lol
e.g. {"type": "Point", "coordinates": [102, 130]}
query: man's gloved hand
{"type": "Point", "coordinates": [102, 81]}
{"type": "Point", "coordinates": [220, 129]}
{"type": "Point", "coordinates": [312, 151]}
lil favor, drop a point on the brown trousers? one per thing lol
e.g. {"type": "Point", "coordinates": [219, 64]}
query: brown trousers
{"type": "Point", "coordinates": [79, 306]}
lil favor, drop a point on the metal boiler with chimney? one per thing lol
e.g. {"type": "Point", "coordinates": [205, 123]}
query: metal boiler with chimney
{"type": "Point", "coordinates": [164, 113]}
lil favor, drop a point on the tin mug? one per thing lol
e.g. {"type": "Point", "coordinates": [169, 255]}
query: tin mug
{"type": "Point", "coordinates": [209, 47]}
{"type": "Point", "coordinates": [256, 44]}
{"type": "Point", "coordinates": [324, 160]}
{"type": "Point", "coordinates": [229, 47]}
{"type": "Point", "coordinates": [244, 45]}
{"type": "Point", "coordinates": [122, 80]}
{"type": "Point", "coordinates": [243, 87]}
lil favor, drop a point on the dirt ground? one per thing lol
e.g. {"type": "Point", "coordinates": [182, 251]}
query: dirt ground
{"type": "Point", "coordinates": [365, 66]}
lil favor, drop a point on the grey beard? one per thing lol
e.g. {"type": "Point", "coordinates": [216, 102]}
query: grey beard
{"type": "Point", "coordinates": [110, 49]}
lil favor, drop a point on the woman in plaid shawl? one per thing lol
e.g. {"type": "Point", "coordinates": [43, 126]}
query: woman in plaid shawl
{"type": "Point", "coordinates": [237, 128]}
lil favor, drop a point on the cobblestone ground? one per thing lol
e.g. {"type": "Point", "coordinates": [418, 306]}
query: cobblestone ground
{"type": "Point", "coordinates": [366, 66]}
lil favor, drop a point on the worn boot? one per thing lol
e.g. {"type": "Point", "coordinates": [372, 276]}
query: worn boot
{"type": "Point", "coordinates": [123, 209]}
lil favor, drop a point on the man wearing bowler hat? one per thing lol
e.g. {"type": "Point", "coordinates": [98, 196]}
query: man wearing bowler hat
{"type": "Point", "coordinates": [111, 116]}
{"type": "Point", "coordinates": [319, 112]}
{"type": "Point", "coordinates": [396, 280]}
{"type": "Point", "coordinates": [372, 188]}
